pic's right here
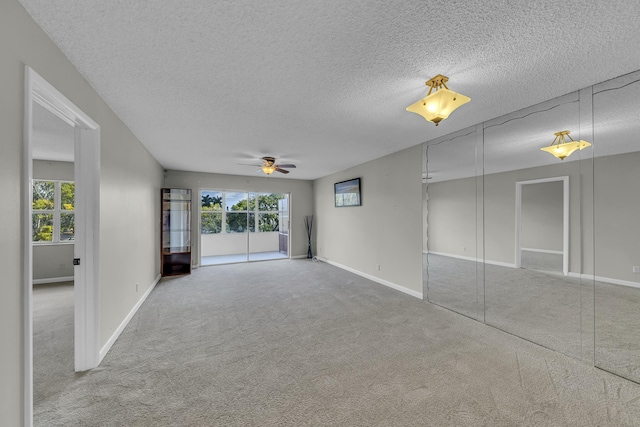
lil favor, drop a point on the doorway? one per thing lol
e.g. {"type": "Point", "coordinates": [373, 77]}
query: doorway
{"type": "Point", "coordinates": [53, 226]}
{"type": "Point", "coordinates": [240, 226]}
{"type": "Point", "coordinates": [542, 225]}
{"type": "Point", "coordinates": [39, 94]}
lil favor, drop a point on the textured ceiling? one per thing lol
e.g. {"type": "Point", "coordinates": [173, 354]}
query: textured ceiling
{"type": "Point", "coordinates": [206, 85]}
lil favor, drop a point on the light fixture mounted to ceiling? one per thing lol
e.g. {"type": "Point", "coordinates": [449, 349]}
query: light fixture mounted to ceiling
{"type": "Point", "coordinates": [560, 148]}
{"type": "Point", "coordinates": [269, 166]}
{"type": "Point", "coordinates": [268, 169]}
{"type": "Point", "coordinates": [438, 105]}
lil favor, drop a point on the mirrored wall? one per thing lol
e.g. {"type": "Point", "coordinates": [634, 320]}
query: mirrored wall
{"type": "Point", "coordinates": [540, 247]}
{"type": "Point", "coordinates": [616, 113]}
{"type": "Point", "coordinates": [452, 258]}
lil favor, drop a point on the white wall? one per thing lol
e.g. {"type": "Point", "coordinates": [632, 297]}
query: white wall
{"type": "Point", "coordinates": [385, 230]}
{"type": "Point", "coordinates": [300, 202]}
{"type": "Point", "coordinates": [52, 261]}
{"type": "Point", "coordinates": [130, 183]}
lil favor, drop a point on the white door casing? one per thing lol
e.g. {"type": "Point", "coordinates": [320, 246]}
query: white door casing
{"type": "Point", "coordinates": [87, 228]}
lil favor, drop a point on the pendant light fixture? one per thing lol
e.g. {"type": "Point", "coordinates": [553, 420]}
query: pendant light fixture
{"type": "Point", "coordinates": [438, 105]}
{"type": "Point", "coordinates": [560, 148]}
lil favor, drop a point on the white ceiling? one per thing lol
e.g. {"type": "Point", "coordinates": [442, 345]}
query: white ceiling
{"type": "Point", "coordinates": [53, 138]}
{"type": "Point", "coordinates": [206, 85]}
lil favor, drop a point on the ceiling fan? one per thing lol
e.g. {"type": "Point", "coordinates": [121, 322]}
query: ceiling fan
{"type": "Point", "coordinates": [269, 166]}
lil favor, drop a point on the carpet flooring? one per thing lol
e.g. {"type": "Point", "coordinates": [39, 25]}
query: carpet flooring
{"type": "Point", "coordinates": [52, 341]}
{"type": "Point", "coordinates": [590, 321]}
{"type": "Point", "coordinates": [550, 263]}
{"type": "Point", "coordinates": [302, 343]}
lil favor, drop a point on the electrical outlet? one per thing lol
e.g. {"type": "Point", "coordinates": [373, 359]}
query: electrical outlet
{"type": "Point", "coordinates": [61, 267]}
{"type": "Point", "coordinates": [136, 286]}
{"type": "Point", "coordinates": [378, 267]}
{"type": "Point", "coordinates": [636, 269]}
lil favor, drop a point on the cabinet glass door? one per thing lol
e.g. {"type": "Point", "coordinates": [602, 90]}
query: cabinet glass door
{"type": "Point", "coordinates": [176, 231]}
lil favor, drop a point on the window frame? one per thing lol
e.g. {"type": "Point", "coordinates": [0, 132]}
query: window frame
{"type": "Point", "coordinates": [57, 212]}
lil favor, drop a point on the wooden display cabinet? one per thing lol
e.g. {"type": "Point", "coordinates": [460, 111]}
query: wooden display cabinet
{"type": "Point", "coordinates": [175, 233]}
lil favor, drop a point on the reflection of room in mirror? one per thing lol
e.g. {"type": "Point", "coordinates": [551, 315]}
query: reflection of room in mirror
{"type": "Point", "coordinates": [473, 262]}
{"type": "Point", "coordinates": [450, 224]}
{"type": "Point", "coordinates": [616, 208]}
{"type": "Point", "coordinates": [542, 225]}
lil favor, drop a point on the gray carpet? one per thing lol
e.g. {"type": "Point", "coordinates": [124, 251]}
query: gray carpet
{"type": "Point", "coordinates": [52, 340]}
{"type": "Point", "coordinates": [551, 263]}
{"type": "Point", "coordinates": [300, 343]}
{"type": "Point", "coordinates": [552, 310]}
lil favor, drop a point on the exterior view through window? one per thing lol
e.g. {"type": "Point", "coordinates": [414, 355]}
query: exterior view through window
{"type": "Point", "coordinates": [243, 226]}
{"type": "Point", "coordinates": [53, 211]}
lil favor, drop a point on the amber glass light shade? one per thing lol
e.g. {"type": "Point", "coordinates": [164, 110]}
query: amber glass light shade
{"type": "Point", "coordinates": [439, 103]}
{"type": "Point", "coordinates": [437, 106]}
{"type": "Point", "coordinates": [562, 149]}
{"type": "Point", "coordinates": [268, 169]}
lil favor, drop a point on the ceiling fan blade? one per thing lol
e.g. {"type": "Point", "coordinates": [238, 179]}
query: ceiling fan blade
{"type": "Point", "coordinates": [249, 164]}
{"type": "Point", "coordinates": [281, 170]}
{"type": "Point", "coordinates": [287, 166]}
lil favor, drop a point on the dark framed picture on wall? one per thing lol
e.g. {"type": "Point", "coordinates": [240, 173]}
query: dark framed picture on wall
{"type": "Point", "coordinates": [347, 193]}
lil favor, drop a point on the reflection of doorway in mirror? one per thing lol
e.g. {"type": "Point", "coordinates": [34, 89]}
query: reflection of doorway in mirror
{"type": "Point", "coordinates": [542, 224]}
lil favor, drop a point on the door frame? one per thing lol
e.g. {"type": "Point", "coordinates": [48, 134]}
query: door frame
{"type": "Point", "coordinates": [565, 219]}
{"type": "Point", "coordinates": [87, 227]}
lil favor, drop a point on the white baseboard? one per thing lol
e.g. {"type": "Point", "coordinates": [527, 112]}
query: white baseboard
{"type": "Point", "coordinates": [467, 258]}
{"type": "Point", "coordinates": [575, 275]}
{"type": "Point", "coordinates": [125, 322]}
{"type": "Point", "coordinates": [500, 264]}
{"type": "Point", "coordinates": [605, 280]}
{"type": "Point", "coordinates": [298, 256]}
{"type": "Point", "coordinates": [375, 279]}
{"type": "Point", "coordinates": [542, 251]}
{"type": "Point", "coordinates": [52, 280]}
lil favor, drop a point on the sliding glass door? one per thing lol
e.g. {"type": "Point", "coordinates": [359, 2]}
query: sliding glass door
{"type": "Point", "coordinates": [243, 226]}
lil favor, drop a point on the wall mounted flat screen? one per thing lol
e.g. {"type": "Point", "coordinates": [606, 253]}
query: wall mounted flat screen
{"type": "Point", "coordinates": [347, 193]}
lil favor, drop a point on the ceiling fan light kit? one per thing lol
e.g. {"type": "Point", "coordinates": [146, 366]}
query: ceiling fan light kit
{"type": "Point", "coordinates": [269, 166]}
{"type": "Point", "coordinates": [438, 104]}
{"type": "Point", "coordinates": [560, 148]}
{"type": "Point", "coordinates": [268, 169]}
